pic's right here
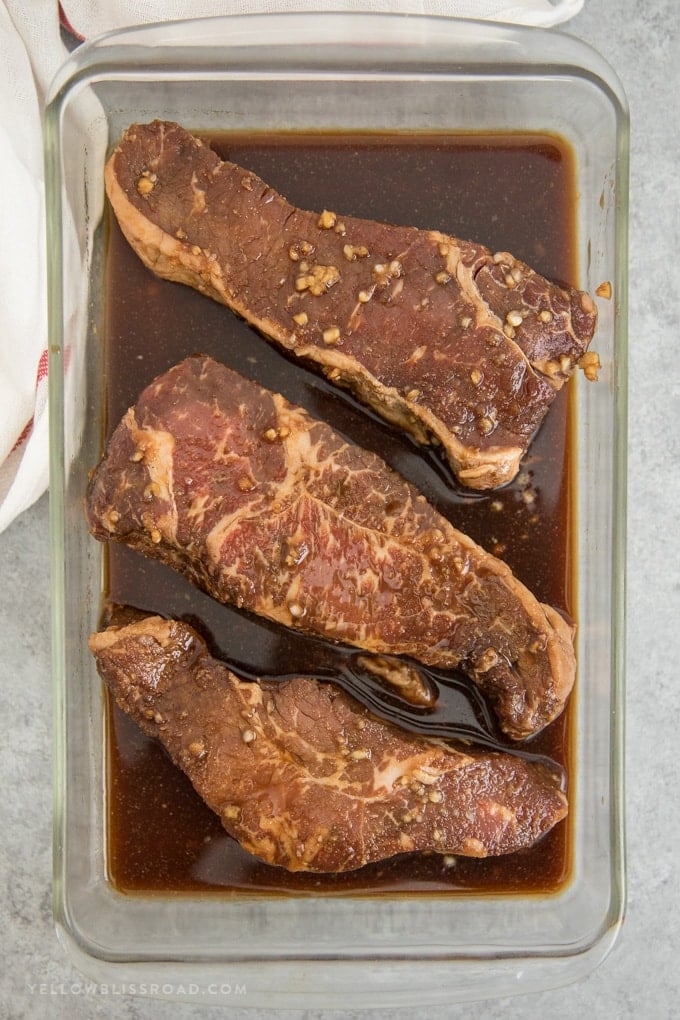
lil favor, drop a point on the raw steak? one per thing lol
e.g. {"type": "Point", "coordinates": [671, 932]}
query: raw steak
{"type": "Point", "coordinates": [448, 340]}
{"type": "Point", "coordinates": [304, 777]}
{"type": "Point", "coordinates": [267, 508]}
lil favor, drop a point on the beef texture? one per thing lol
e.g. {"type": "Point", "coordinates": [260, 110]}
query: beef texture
{"type": "Point", "coordinates": [445, 338]}
{"type": "Point", "coordinates": [304, 777]}
{"type": "Point", "coordinates": [268, 509]}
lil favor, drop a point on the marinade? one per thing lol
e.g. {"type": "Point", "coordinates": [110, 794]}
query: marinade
{"type": "Point", "coordinates": [511, 192]}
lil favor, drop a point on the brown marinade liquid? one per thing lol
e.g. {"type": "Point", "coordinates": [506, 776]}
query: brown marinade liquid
{"type": "Point", "coordinates": [511, 192]}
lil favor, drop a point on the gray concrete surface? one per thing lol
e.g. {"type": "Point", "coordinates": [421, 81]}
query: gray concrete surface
{"type": "Point", "coordinates": [640, 977]}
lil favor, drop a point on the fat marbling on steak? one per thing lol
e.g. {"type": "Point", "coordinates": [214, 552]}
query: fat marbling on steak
{"type": "Point", "coordinates": [307, 779]}
{"type": "Point", "coordinates": [269, 509]}
{"type": "Point", "coordinates": [445, 338]}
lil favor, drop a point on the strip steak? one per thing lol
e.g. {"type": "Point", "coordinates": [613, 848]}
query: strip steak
{"type": "Point", "coordinates": [307, 779]}
{"type": "Point", "coordinates": [444, 338]}
{"type": "Point", "coordinates": [269, 509]}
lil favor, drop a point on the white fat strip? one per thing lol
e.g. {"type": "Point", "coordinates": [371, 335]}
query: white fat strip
{"type": "Point", "coordinates": [457, 269]}
{"type": "Point", "coordinates": [159, 450]}
{"type": "Point", "coordinates": [393, 772]}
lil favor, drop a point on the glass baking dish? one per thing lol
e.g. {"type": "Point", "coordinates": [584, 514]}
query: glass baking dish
{"type": "Point", "coordinates": [356, 73]}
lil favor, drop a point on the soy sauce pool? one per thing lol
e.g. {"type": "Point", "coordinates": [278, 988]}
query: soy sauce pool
{"type": "Point", "coordinates": [511, 192]}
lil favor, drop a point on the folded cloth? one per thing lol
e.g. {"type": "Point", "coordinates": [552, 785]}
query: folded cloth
{"type": "Point", "coordinates": [31, 49]}
{"type": "Point", "coordinates": [23, 329]}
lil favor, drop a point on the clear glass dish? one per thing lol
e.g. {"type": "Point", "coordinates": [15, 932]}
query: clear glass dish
{"type": "Point", "coordinates": [343, 73]}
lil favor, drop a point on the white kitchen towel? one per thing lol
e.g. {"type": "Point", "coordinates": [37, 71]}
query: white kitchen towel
{"type": "Point", "coordinates": [31, 49]}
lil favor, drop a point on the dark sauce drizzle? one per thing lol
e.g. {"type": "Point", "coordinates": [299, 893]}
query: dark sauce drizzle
{"type": "Point", "coordinates": [512, 192]}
